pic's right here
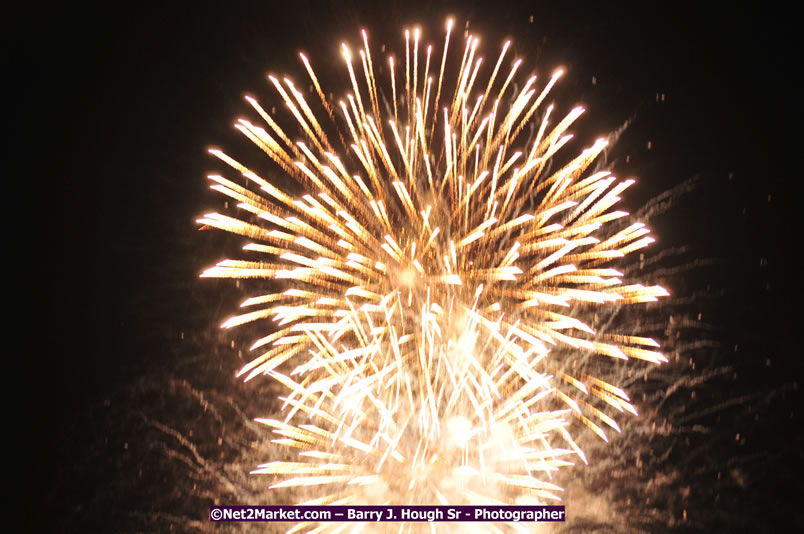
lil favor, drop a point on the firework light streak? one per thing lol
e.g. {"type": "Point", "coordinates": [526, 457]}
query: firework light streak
{"type": "Point", "coordinates": [431, 277]}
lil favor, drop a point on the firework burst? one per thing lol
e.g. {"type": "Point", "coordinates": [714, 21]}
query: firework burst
{"type": "Point", "coordinates": [429, 289]}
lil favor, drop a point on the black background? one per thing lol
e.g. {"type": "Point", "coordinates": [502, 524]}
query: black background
{"type": "Point", "coordinates": [120, 101]}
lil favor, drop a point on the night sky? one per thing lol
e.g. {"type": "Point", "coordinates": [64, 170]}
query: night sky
{"type": "Point", "coordinates": [122, 103]}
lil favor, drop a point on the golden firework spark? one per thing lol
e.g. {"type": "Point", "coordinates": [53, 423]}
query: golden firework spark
{"type": "Point", "coordinates": [422, 287]}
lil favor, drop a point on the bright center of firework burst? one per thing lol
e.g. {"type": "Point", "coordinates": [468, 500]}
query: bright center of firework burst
{"type": "Point", "coordinates": [428, 292]}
